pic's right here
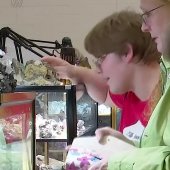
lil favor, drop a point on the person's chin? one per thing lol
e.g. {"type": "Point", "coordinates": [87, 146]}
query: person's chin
{"type": "Point", "coordinates": [159, 48]}
{"type": "Point", "coordinates": [116, 91]}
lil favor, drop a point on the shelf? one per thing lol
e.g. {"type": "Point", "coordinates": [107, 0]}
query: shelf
{"type": "Point", "coordinates": [43, 88]}
{"type": "Point", "coordinates": [51, 140]}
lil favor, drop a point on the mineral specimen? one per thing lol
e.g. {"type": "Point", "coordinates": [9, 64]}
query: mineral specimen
{"type": "Point", "coordinates": [34, 73]}
{"type": "Point", "coordinates": [7, 81]}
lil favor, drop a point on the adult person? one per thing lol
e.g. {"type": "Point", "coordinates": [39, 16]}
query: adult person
{"type": "Point", "coordinates": [129, 66]}
{"type": "Point", "coordinates": [154, 153]}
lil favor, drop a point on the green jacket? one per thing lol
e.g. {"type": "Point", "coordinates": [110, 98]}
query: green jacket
{"type": "Point", "coordinates": [154, 153]}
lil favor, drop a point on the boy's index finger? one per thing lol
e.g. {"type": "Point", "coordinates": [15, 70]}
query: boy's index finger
{"type": "Point", "coordinates": [53, 61]}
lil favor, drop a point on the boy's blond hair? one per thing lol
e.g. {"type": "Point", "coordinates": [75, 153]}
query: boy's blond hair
{"type": "Point", "coordinates": [115, 32]}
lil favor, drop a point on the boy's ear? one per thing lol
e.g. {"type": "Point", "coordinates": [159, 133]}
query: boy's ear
{"type": "Point", "coordinates": [128, 57]}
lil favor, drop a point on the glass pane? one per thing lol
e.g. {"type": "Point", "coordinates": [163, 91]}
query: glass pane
{"type": "Point", "coordinates": [16, 135]}
{"type": "Point", "coordinates": [86, 115]}
{"type": "Point", "coordinates": [51, 115]}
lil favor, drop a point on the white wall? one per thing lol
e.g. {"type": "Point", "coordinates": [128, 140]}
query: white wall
{"type": "Point", "coordinates": [53, 19]}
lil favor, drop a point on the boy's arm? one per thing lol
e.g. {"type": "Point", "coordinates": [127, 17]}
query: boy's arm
{"type": "Point", "coordinates": [95, 84]}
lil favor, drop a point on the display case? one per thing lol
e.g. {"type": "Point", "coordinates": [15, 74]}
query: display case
{"type": "Point", "coordinates": [55, 108]}
{"type": "Point", "coordinates": [17, 138]}
{"type": "Point", "coordinates": [55, 122]}
{"type": "Point", "coordinates": [62, 113]}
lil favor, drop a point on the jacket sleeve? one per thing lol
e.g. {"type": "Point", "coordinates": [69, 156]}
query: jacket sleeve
{"type": "Point", "coordinates": [151, 158]}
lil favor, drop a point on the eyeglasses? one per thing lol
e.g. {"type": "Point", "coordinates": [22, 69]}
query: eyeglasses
{"type": "Point", "coordinates": [146, 15]}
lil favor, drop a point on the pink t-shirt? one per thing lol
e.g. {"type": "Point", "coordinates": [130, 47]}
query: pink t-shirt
{"type": "Point", "coordinates": [133, 121]}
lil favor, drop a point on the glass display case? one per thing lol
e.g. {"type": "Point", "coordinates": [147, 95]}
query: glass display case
{"type": "Point", "coordinates": [17, 139]}
{"type": "Point", "coordinates": [55, 108]}
{"type": "Point", "coordinates": [62, 113]}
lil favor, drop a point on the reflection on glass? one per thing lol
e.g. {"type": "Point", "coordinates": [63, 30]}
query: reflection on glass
{"type": "Point", "coordinates": [51, 116]}
{"type": "Point", "coordinates": [16, 136]}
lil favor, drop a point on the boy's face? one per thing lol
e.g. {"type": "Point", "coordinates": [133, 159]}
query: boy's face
{"type": "Point", "coordinates": [116, 71]}
{"type": "Point", "coordinates": [156, 14]}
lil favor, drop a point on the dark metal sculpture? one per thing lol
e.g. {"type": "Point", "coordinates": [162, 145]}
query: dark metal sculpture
{"type": "Point", "coordinates": [65, 50]}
